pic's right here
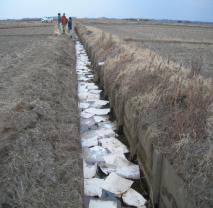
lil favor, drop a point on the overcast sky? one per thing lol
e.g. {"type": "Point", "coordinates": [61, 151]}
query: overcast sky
{"type": "Point", "coordinates": [195, 10]}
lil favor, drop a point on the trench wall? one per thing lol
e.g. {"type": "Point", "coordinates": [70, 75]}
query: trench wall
{"type": "Point", "coordinates": [166, 188]}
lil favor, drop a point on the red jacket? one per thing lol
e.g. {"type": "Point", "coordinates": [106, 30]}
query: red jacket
{"type": "Point", "coordinates": [63, 20]}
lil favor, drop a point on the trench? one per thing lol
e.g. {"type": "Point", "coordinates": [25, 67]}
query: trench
{"type": "Point", "coordinates": [112, 178]}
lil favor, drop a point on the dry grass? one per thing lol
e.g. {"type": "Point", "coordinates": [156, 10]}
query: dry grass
{"type": "Point", "coordinates": [40, 153]}
{"type": "Point", "coordinates": [196, 65]}
{"type": "Point", "coordinates": [174, 102]}
{"type": "Point", "coordinates": [22, 24]}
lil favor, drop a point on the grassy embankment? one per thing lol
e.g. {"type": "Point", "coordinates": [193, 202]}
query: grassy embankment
{"type": "Point", "coordinates": [173, 106]}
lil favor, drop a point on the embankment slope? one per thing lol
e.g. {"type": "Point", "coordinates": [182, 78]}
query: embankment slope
{"type": "Point", "coordinates": [166, 113]}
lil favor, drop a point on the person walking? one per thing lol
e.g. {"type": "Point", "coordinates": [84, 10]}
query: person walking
{"type": "Point", "coordinates": [64, 22]}
{"type": "Point", "coordinates": [70, 26]}
{"type": "Point", "coordinates": [59, 23]}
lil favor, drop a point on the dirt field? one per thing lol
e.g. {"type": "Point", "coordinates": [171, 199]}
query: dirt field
{"type": "Point", "coordinates": [40, 154]}
{"type": "Point", "coordinates": [4, 24]}
{"type": "Point", "coordinates": [183, 44]}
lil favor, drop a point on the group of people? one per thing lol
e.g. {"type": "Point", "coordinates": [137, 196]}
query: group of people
{"type": "Point", "coordinates": [63, 22]}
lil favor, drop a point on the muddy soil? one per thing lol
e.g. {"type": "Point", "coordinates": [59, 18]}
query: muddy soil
{"type": "Point", "coordinates": [40, 152]}
{"type": "Point", "coordinates": [180, 43]}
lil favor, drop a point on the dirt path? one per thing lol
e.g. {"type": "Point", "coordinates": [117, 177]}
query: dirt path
{"type": "Point", "coordinates": [40, 153]}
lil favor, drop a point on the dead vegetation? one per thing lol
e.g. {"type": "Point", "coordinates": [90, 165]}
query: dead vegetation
{"type": "Point", "coordinates": [196, 65]}
{"type": "Point", "coordinates": [40, 153]}
{"type": "Point", "coordinates": [22, 24]}
{"type": "Point", "coordinates": [175, 103]}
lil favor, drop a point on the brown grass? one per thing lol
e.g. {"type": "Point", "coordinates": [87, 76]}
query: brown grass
{"type": "Point", "coordinates": [196, 65]}
{"type": "Point", "coordinates": [175, 103]}
{"type": "Point", "coordinates": [40, 152]}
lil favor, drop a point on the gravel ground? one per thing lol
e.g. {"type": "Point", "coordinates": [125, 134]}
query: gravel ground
{"type": "Point", "coordinates": [180, 43]}
{"type": "Point", "coordinates": [40, 153]}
